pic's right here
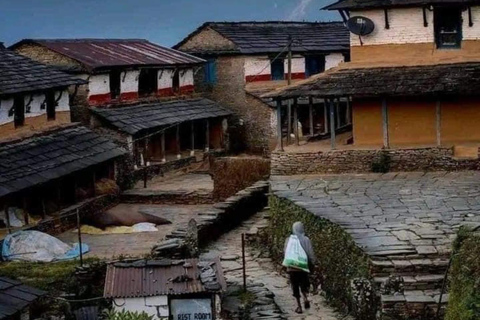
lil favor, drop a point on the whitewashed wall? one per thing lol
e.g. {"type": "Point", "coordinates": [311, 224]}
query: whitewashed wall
{"type": "Point", "coordinates": [298, 64]}
{"type": "Point", "coordinates": [186, 77]}
{"type": "Point", "coordinates": [147, 304]}
{"type": "Point", "coordinates": [129, 81]}
{"type": "Point", "coordinates": [98, 84]}
{"type": "Point", "coordinates": [406, 26]}
{"type": "Point", "coordinates": [257, 66]}
{"type": "Point", "coordinates": [34, 106]}
{"type": "Point", "coordinates": [165, 78]}
{"type": "Point", "coordinates": [333, 59]}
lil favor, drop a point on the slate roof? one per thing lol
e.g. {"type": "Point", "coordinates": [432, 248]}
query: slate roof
{"type": "Point", "coordinates": [15, 297]}
{"type": "Point", "coordinates": [42, 158]}
{"type": "Point", "coordinates": [19, 74]}
{"type": "Point", "coordinates": [133, 119]}
{"type": "Point", "coordinates": [443, 79]}
{"type": "Point", "coordinates": [163, 277]}
{"type": "Point", "coordinates": [106, 53]}
{"type": "Point", "coordinates": [370, 4]}
{"type": "Point", "coordinates": [273, 37]}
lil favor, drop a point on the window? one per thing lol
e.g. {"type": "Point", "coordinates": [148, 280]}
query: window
{"type": "Point", "coordinates": [176, 81]}
{"type": "Point", "coordinates": [114, 84]}
{"type": "Point", "coordinates": [211, 71]}
{"type": "Point", "coordinates": [278, 69]}
{"type": "Point", "coordinates": [18, 111]}
{"type": "Point", "coordinates": [314, 65]}
{"type": "Point", "coordinates": [147, 82]}
{"type": "Point", "coordinates": [51, 105]}
{"type": "Point", "coordinates": [448, 27]}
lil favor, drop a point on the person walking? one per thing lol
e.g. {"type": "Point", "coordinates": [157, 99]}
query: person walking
{"type": "Point", "coordinates": [298, 248]}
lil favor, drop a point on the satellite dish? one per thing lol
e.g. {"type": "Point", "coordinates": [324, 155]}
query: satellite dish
{"type": "Point", "coordinates": [360, 25]}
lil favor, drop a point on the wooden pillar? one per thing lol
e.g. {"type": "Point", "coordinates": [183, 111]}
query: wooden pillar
{"type": "Point", "coordinates": [279, 126]}
{"type": "Point", "coordinates": [25, 213]}
{"type": "Point", "coordinates": [349, 112]}
{"type": "Point", "coordinates": [192, 129]}
{"type": "Point", "coordinates": [332, 124]}
{"type": "Point", "coordinates": [325, 116]}
{"type": "Point", "coordinates": [289, 122]}
{"type": "Point", "coordinates": [295, 119]}
{"type": "Point", "coordinates": [386, 138]}
{"type": "Point", "coordinates": [207, 135]}
{"type": "Point", "coordinates": [310, 116]}
{"type": "Point", "coordinates": [439, 122]}
{"type": "Point", "coordinates": [146, 157]}
{"type": "Point", "coordinates": [177, 140]}
{"type": "Point", "coordinates": [337, 113]}
{"type": "Point", "coordinates": [162, 144]}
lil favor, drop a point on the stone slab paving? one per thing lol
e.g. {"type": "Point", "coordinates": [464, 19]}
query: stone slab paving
{"type": "Point", "coordinates": [391, 214]}
{"type": "Point", "coordinates": [262, 271]}
{"type": "Point", "coordinates": [191, 182]}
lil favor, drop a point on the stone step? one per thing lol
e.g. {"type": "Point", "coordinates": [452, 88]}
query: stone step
{"type": "Point", "coordinates": [415, 304]}
{"type": "Point", "coordinates": [408, 267]}
{"type": "Point", "coordinates": [416, 282]}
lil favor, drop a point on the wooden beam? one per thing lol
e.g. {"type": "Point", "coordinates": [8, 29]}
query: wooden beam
{"type": "Point", "coordinates": [177, 140]}
{"type": "Point", "coordinates": [337, 113]}
{"type": "Point", "coordinates": [349, 111]}
{"type": "Point", "coordinates": [279, 126]}
{"type": "Point", "coordinates": [192, 129]}
{"type": "Point", "coordinates": [332, 124]}
{"type": "Point", "coordinates": [295, 122]}
{"type": "Point", "coordinates": [310, 116]}
{"type": "Point", "coordinates": [386, 138]}
{"type": "Point", "coordinates": [325, 116]}
{"type": "Point", "coordinates": [439, 122]}
{"type": "Point", "coordinates": [207, 135]}
{"type": "Point", "coordinates": [162, 145]}
{"type": "Point", "coordinates": [289, 122]}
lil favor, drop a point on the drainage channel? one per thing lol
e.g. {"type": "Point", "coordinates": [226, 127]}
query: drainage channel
{"type": "Point", "coordinates": [269, 294]}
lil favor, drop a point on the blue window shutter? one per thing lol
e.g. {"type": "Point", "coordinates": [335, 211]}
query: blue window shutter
{"type": "Point", "coordinates": [211, 71]}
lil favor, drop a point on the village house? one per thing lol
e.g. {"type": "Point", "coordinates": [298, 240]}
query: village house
{"type": "Point", "coordinates": [167, 289]}
{"type": "Point", "coordinates": [16, 299]}
{"type": "Point", "coordinates": [140, 92]}
{"type": "Point", "coordinates": [412, 81]}
{"type": "Point", "coordinates": [247, 59]}
{"type": "Point", "coordinates": [48, 163]}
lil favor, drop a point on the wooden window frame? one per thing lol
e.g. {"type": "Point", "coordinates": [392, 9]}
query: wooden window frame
{"type": "Point", "coordinates": [439, 24]}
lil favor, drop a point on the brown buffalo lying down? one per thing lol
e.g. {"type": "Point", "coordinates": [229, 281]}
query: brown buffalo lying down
{"type": "Point", "coordinates": [112, 219]}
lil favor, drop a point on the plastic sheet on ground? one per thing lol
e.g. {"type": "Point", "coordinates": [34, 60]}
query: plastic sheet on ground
{"type": "Point", "coordinates": [38, 246]}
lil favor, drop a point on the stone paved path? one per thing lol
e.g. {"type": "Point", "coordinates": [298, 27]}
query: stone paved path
{"type": "Point", "coordinates": [262, 270]}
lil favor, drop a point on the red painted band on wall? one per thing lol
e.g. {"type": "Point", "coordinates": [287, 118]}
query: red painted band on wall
{"type": "Point", "coordinates": [99, 99]}
{"type": "Point", "coordinates": [128, 96]}
{"type": "Point", "coordinates": [187, 89]}
{"type": "Point", "coordinates": [165, 92]}
{"type": "Point", "coordinates": [268, 77]}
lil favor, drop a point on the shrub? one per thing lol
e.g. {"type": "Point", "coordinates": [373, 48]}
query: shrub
{"type": "Point", "coordinates": [382, 164]}
{"type": "Point", "coordinates": [464, 301]}
{"type": "Point", "coordinates": [126, 315]}
{"type": "Point", "coordinates": [340, 261]}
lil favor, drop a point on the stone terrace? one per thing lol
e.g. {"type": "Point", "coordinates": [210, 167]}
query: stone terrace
{"type": "Point", "coordinates": [405, 222]}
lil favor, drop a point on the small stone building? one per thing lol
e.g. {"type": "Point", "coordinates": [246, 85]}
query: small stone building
{"type": "Point", "coordinates": [16, 299]}
{"type": "Point", "coordinates": [47, 162]}
{"type": "Point", "coordinates": [245, 58]}
{"type": "Point", "coordinates": [167, 289]}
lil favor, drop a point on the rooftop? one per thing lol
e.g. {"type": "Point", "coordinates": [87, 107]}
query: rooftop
{"type": "Point", "coordinates": [371, 4]}
{"type": "Point", "coordinates": [163, 277]}
{"type": "Point", "coordinates": [428, 80]}
{"type": "Point", "coordinates": [42, 158]}
{"type": "Point", "coordinates": [23, 75]}
{"type": "Point", "coordinates": [107, 53]}
{"type": "Point", "coordinates": [14, 297]}
{"type": "Point", "coordinates": [273, 36]}
{"type": "Point", "coordinates": [133, 119]}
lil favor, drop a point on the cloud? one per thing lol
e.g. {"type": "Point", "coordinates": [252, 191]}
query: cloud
{"type": "Point", "coordinates": [300, 10]}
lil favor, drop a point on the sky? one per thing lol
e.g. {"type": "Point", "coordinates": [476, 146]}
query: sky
{"type": "Point", "coordinates": [165, 22]}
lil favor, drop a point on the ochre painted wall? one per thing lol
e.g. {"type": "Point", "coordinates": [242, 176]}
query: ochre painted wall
{"type": "Point", "coordinates": [33, 124]}
{"type": "Point", "coordinates": [411, 122]}
{"type": "Point", "coordinates": [460, 121]}
{"type": "Point", "coordinates": [367, 123]}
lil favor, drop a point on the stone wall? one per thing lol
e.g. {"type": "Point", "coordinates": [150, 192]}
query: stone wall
{"type": "Point", "coordinates": [360, 161]}
{"type": "Point", "coordinates": [232, 174]}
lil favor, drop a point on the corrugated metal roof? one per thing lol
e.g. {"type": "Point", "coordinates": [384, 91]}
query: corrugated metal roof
{"type": "Point", "coordinates": [106, 53]}
{"type": "Point", "coordinates": [154, 278]}
{"type": "Point", "coordinates": [370, 4]}
{"type": "Point", "coordinates": [14, 296]}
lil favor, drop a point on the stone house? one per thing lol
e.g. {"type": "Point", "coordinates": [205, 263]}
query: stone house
{"type": "Point", "coordinates": [167, 289]}
{"type": "Point", "coordinates": [137, 84]}
{"type": "Point", "coordinates": [245, 59]}
{"type": "Point", "coordinates": [16, 299]}
{"type": "Point", "coordinates": [48, 163]}
{"type": "Point", "coordinates": [413, 81]}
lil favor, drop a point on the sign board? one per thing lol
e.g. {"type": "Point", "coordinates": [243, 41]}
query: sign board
{"type": "Point", "coordinates": [191, 309]}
